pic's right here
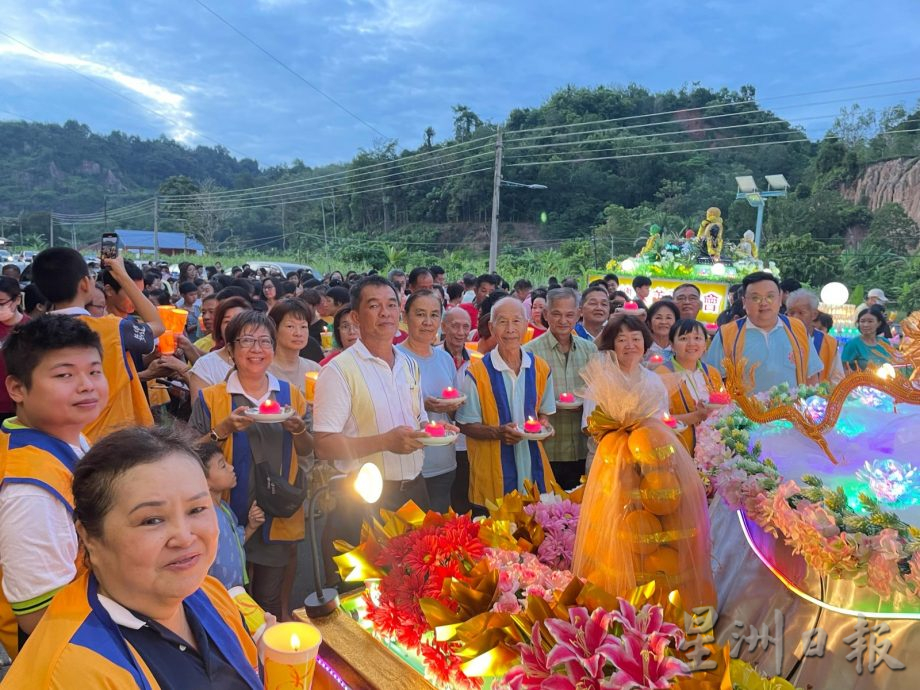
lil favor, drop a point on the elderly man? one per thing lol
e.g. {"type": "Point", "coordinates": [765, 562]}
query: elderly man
{"type": "Point", "coordinates": [368, 402]}
{"type": "Point", "coordinates": [503, 390]}
{"type": "Point", "coordinates": [803, 304]}
{"type": "Point", "coordinates": [456, 327]}
{"type": "Point", "coordinates": [566, 355]}
{"type": "Point", "coordinates": [595, 310]}
{"type": "Point", "coordinates": [689, 301]}
{"type": "Point", "coordinates": [778, 345]}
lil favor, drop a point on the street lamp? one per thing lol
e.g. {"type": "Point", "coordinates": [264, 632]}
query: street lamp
{"type": "Point", "coordinates": [368, 484]}
{"type": "Point", "coordinates": [493, 236]}
{"type": "Point", "coordinates": [777, 186]}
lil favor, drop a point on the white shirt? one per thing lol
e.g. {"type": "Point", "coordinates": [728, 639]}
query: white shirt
{"type": "Point", "coordinates": [211, 368]}
{"type": "Point", "coordinates": [234, 387]}
{"type": "Point", "coordinates": [38, 542]}
{"type": "Point", "coordinates": [392, 400]}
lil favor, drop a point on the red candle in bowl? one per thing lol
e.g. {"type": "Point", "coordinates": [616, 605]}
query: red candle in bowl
{"type": "Point", "coordinates": [719, 397]}
{"type": "Point", "coordinates": [669, 421]}
{"type": "Point", "coordinates": [435, 429]}
{"type": "Point", "coordinates": [631, 306]}
{"type": "Point", "coordinates": [532, 426]}
{"type": "Point", "coordinates": [270, 407]}
{"type": "Point", "coordinates": [450, 393]}
{"type": "Point", "coordinates": [566, 397]}
{"type": "Point", "coordinates": [656, 359]}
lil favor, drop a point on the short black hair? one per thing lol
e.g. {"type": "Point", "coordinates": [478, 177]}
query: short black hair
{"type": "Point", "coordinates": [620, 322]}
{"type": "Point", "coordinates": [151, 278]}
{"type": "Point", "coordinates": [687, 285]}
{"type": "Point", "coordinates": [134, 273]}
{"type": "Point", "coordinates": [58, 271]}
{"type": "Point", "coordinates": [29, 342]}
{"type": "Point", "coordinates": [339, 295]}
{"type": "Point", "coordinates": [522, 284]}
{"type": "Point", "coordinates": [486, 278]}
{"type": "Point", "coordinates": [249, 320]}
{"type": "Point", "coordinates": [187, 287]}
{"type": "Point", "coordinates": [206, 451]}
{"type": "Point", "coordinates": [417, 273]}
{"type": "Point", "coordinates": [454, 291]}
{"type": "Point", "coordinates": [789, 285]}
{"type": "Point", "coordinates": [684, 326]}
{"type": "Point", "coordinates": [10, 286]}
{"type": "Point", "coordinates": [612, 276]}
{"type": "Point", "coordinates": [33, 297]}
{"type": "Point", "coordinates": [641, 281]}
{"type": "Point", "coordinates": [663, 304]}
{"type": "Point", "coordinates": [757, 277]}
{"type": "Point", "coordinates": [369, 281]}
{"type": "Point", "coordinates": [826, 320]}
{"type": "Point", "coordinates": [436, 271]}
{"type": "Point", "coordinates": [234, 291]}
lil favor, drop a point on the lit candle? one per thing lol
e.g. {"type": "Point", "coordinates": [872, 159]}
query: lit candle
{"type": "Point", "coordinates": [450, 393]}
{"type": "Point", "coordinates": [167, 343]}
{"type": "Point", "coordinates": [669, 421]}
{"type": "Point", "coordinates": [310, 385]}
{"type": "Point", "coordinates": [532, 426]}
{"type": "Point", "coordinates": [720, 397]}
{"type": "Point", "coordinates": [326, 338]}
{"type": "Point", "coordinates": [289, 655]}
{"type": "Point", "coordinates": [656, 359]}
{"type": "Point", "coordinates": [566, 397]}
{"type": "Point", "coordinates": [435, 429]}
{"type": "Point", "coordinates": [270, 407]}
{"type": "Point", "coordinates": [631, 306]}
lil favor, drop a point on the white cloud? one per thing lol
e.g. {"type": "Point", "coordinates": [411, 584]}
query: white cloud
{"type": "Point", "coordinates": [394, 16]}
{"type": "Point", "coordinates": [171, 106]}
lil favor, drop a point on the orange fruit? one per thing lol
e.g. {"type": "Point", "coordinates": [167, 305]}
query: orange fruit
{"type": "Point", "coordinates": [649, 444]}
{"type": "Point", "coordinates": [660, 492]}
{"type": "Point", "coordinates": [638, 526]}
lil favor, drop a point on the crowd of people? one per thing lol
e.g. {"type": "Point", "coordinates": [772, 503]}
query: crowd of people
{"type": "Point", "coordinates": [132, 469]}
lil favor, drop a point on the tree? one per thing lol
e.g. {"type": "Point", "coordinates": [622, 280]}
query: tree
{"type": "Point", "coordinates": [207, 215]}
{"type": "Point", "coordinates": [465, 122]}
{"type": "Point", "coordinates": [429, 136]}
{"type": "Point", "coordinates": [854, 125]}
{"type": "Point", "coordinates": [804, 258]}
{"type": "Point", "coordinates": [891, 225]}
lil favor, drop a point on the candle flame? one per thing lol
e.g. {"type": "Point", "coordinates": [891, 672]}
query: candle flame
{"type": "Point", "coordinates": [295, 642]}
{"type": "Point", "coordinates": [449, 388]}
{"type": "Point", "coordinates": [667, 417]}
{"type": "Point", "coordinates": [530, 419]}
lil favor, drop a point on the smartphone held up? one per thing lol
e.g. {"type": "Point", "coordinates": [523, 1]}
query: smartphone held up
{"type": "Point", "coordinates": [108, 249]}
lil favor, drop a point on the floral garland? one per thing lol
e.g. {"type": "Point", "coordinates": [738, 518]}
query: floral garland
{"type": "Point", "coordinates": [872, 547]}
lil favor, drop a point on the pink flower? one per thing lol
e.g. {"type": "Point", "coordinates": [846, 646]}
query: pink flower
{"type": "Point", "coordinates": [583, 642]}
{"type": "Point", "coordinates": [648, 624]}
{"type": "Point", "coordinates": [639, 667]}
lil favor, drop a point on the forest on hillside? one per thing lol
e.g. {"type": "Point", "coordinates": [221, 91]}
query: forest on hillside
{"type": "Point", "coordinates": [607, 162]}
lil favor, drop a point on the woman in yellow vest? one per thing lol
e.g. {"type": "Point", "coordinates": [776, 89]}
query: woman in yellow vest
{"type": "Point", "coordinates": [220, 414]}
{"type": "Point", "coordinates": [690, 398]}
{"type": "Point", "coordinates": [145, 615]}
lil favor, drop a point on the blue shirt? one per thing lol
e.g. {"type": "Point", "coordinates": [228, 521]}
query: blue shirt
{"type": "Point", "coordinates": [471, 412]}
{"type": "Point", "coordinates": [771, 351]}
{"type": "Point", "coordinates": [229, 564]}
{"type": "Point", "coordinates": [437, 371]}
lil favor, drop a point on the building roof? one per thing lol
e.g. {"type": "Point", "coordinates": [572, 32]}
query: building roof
{"type": "Point", "coordinates": [167, 240]}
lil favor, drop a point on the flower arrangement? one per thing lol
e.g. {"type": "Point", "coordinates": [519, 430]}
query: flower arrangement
{"type": "Point", "coordinates": [863, 543]}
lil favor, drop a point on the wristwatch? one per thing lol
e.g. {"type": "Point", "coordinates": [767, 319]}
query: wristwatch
{"type": "Point", "coordinates": [215, 437]}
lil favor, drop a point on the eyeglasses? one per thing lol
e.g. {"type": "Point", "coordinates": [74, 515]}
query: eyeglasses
{"type": "Point", "coordinates": [687, 298]}
{"type": "Point", "coordinates": [761, 299]}
{"type": "Point", "coordinates": [248, 342]}
{"type": "Point", "coordinates": [7, 302]}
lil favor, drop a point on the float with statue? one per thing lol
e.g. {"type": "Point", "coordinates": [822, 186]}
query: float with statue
{"type": "Point", "coordinates": [702, 257]}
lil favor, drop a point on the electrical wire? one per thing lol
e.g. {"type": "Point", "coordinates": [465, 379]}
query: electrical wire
{"type": "Point", "coordinates": [295, 73]}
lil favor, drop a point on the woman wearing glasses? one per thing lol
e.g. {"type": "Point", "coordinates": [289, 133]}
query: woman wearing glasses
{"type": "Point", "coordinates": [220, 414]}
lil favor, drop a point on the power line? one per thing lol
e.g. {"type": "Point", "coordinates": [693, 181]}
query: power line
{"type": "Point", "coordinates": [298, 75]}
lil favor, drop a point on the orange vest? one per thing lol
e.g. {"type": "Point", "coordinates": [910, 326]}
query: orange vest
{"type": "Point", "coordinates": [78, 645]}
{"type": "Point", "coordinates": [827, 350]}
{"type": "Point", "coordinates": [682, 402]}
{"type": "Point", "coordinates": [127, 405]}
{"type": "Point", "coordinates": [28, 456]}
{"type": "Point", "coordinates": [218, 405]}
{"type": "Point", "coordinates": [493, 471]}
{"type": "Point", "coordinates": [733, 334]}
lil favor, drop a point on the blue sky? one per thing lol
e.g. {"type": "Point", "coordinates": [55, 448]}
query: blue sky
{"type": "Point", "coordinates": [401, 64]}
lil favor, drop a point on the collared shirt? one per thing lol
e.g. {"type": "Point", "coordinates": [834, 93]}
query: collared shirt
{"type": "Point", "coordinates": [234, 387]}
{"type": "Point", "coordinates": [174, 663]}
{"type": "Point", "coordinates": [771, 350]}
{"type": "Point", "coordinates": [582, 332]}
{"type": "Point", "coordinates": [391, 398]}
{"type": "Point", "coordinates": [569, 443]}
{"type": "Point", "coordinates": [471, 411]}
{"type": "Point", "coordinates": [460, 444]}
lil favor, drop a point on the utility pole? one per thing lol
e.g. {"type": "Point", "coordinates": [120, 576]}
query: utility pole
{"type": "Point", "coordinates": [496, 187]}
{"type": "Point", "coordinates": [283, 228]}
{"type": "Point", "coordinates": [156, 228]}
{"type": "Point", "coordinates": [335, 236]}
{"type": "Point", "coordinates": [51, 228]}
{"type": "Point", "coordinates": [105, 211]}
{"type": "Point", "coordinates": [322, 206]}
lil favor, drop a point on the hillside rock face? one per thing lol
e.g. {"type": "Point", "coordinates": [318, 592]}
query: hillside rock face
{"type": "Point", "coordinates": [896, 181]}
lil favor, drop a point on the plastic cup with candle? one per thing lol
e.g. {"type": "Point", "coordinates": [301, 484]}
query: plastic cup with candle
{"type": "Point", "coordinates": [253, 615]}
{"type": "Point", "coordinates": [179, 319]}
{"type": "Point", "coordinates": [567, 398]}
{"type": "Point", "coordinates": [310, 385]}
{"type": "Point", "coordinates": [167, 343]}
{"type": "Point", "coordinates": [450, 393]}
{"type": "Point", "coordinates": [326, 338]}
{"type": "Point", "coordinates": [289, 655]}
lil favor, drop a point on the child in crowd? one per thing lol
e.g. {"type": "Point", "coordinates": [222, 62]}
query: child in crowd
{"type": "Point", "coordinates": [55, 378]}
{"type": "Point", "coordinates": [230, 563]}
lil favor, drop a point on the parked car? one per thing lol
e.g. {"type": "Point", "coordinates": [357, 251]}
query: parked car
{"type": "Point", "coordinates": [284, 268]}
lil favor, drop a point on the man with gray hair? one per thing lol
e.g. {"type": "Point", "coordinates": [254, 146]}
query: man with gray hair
{"type": "Point", "coordinates": [504, 390]}
{"type": "Point", "coordinates": [567, 354]}
{"type": "Point", "coordinates": [803, 304]}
